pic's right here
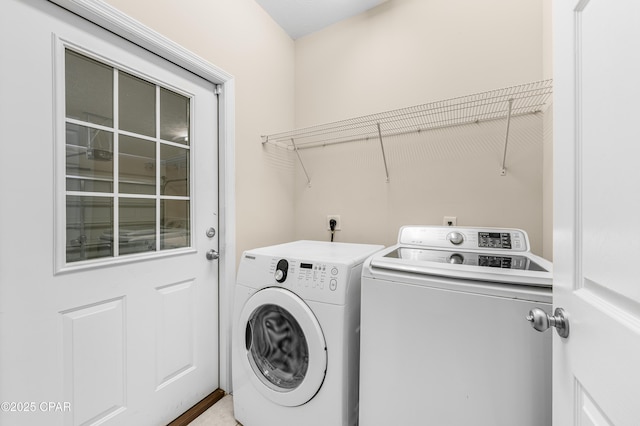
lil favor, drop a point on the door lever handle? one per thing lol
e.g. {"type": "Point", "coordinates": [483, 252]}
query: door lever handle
{"type": "Point", "coordinates": [541, 321]}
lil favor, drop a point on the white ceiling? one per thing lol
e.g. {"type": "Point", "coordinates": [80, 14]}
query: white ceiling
{"type": "Point", "coordinates": [301, 17]}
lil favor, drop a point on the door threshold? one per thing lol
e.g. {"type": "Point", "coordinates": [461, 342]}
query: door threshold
{"type": "Point", "coordinates": [192, 413]}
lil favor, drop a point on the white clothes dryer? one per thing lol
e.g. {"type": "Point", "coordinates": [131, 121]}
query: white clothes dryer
{"type": "Point", "coordinates": [444, 340]}
{"type": "Point", "coordinates": [295, 337]}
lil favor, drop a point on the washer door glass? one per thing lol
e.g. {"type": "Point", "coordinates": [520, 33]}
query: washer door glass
{"type": "Point", "coordinates": [278, 349]}
{"type": "Point", "coordinates": [283, 348]}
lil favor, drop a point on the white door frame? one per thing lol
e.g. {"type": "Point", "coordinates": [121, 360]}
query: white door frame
{"type": "Point", "coordinates": [126, 27]}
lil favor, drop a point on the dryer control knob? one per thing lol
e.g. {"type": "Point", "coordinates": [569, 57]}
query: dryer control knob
{"type": "Point", "coordinates": [455, 237]}
{"type": "Point", "coordinates": [281, 270]}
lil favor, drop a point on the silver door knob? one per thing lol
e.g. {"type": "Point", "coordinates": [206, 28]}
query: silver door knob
{"type": "Point", "coordinates": [212, 255]}
{"type": "Point", "coordinates": [541, 321]}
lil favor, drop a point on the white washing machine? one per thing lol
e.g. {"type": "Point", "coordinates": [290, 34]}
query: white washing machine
{"type": "Point", "coordinates": [444, 339]}
{"type": "Point", "coordinates": [295, 343]}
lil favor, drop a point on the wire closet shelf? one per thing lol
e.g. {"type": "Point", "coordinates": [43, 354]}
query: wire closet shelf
{"type": "Point", "coordinates": [524, 99]}
{"type": "Point", "coordinates": [508, 102]}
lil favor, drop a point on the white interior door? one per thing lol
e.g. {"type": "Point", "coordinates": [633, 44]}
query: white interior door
{"type": "Point", "coordinates": [108, 185]}
{"type": "Point", "coordinates": [597, 205]}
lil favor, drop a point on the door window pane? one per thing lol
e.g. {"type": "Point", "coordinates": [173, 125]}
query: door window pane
{"type": "Point", "coordinates": [137, 105]}
{"type": "Point", "coordinates": [88, 90]}
{"type": "Point", "coordinates": [175, 228]}
{"type": "Point", "coordinates": [174, 117]}
{"type": "Point", "coordinates": [116, 162]}
{"type": "Point", "coordinates": [137, 225]}
{"type": "Point", "coordinates": [89, 227]}
{"type": "Point", "coordinates": [137, 166]}
{"type": "Point", "coordinates": [174, 171]}
{"type": "Point", "coordinates": [89, 154]}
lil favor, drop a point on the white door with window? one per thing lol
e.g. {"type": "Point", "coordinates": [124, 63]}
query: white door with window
{"type": "Point", "coordinates": [597, 209]}
{"type": "Point", "coordinates": [108, 226]}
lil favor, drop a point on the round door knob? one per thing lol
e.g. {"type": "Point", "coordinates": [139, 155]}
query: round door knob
{"type": "Point", "coordinates": [212, 255]}
{"type": "Point", "coordinates": [541, 321]}
{"type": "Point", "coordinates": [455, 237]}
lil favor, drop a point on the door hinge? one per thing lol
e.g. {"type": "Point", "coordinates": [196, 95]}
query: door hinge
{"type": "Point", "coordinates": [218, 89]}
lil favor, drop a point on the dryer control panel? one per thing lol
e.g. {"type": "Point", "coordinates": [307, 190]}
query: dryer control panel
{"type": "Point", "coordinates": [314, 270]}
{"type": "Point", "coordinates": [312, 280]}
{"type": "Point", "coordinates": [481, 239]}
{"type": "Point", "coordinates": [317, 275]}
{"type": "Point", "coordinates": [314, 275]}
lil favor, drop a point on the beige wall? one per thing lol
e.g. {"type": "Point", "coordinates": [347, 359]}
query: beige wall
{"type": "Point", "coordinates": [547, 184]}
{"type": "Point", "coordinates": [446, 172]}
{"type": "Point", "coordinates": [402, 53]}
{"type": "Point", "coordinates": [547, 171]}
{"type": "Point", "coordinates": [239, 37]}
{"type": "Point", "coordinates": [408, 52]}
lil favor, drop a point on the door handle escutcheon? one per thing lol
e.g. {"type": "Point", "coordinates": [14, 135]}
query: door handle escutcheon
{"type": "Point", "coordinates": [212, 255]}
{"type": "Point", "coordinates": [541, 321]}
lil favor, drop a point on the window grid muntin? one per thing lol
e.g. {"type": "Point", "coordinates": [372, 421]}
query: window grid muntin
{"type": "Point", "coordinates": [116, 195]}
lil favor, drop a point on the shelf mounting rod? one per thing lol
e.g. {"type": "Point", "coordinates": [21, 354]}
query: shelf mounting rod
{"type": "Point", "coordinates": [503, 170]}
{"type": "Point", "coordinates": [304, 169]}
{"type": "Point", "coordinates": [384, 157]}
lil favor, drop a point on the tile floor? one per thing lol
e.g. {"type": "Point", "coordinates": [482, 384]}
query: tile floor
{"type": "Point", "coordinates": [220, 414]}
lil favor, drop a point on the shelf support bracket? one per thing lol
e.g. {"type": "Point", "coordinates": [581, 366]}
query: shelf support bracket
{"type": "Point", "coordinates": [304, 169]}
{"type": "Point", "coordinates": [384, 157]}
{"type": "Point", "coordinates": [503, 170]}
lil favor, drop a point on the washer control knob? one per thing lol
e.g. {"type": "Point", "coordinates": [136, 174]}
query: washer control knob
{"type": "Point", "coordinates": [455, 237]}
{"type": "Point", "coordinates": [456, 259]}
{"type": "Point", "coordinates": [281, 270]}
{"type": "Point", "coordinates": [333, 284]}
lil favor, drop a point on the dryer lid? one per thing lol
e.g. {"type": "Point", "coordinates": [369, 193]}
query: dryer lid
{"type": "Point", "coordinates": [499, 267]}
{"type": "Point", "coordinates": [485, 260]}
{"type": "Point", "coordinates": [499, 255]}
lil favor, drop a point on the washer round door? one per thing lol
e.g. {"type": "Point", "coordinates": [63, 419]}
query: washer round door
{"type": "Point", "coordinates": [286, 354]}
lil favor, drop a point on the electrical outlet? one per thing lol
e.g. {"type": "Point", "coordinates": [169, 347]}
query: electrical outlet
{"type": "Point", "coordinates": [337, 219]}
{"type": "Point", "coordinates": [450, 221]}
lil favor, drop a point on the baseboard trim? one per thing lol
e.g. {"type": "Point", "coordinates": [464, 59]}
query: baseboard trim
{"type": "Point", "coordinates": [202, 406]}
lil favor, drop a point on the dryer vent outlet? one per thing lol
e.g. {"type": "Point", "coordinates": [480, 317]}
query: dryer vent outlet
{"type": "Point", "coordinates": [338, 222]}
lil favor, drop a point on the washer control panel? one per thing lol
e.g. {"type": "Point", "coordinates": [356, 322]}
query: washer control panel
{"type": "Point", "coordinates": [495, 239]}
{"type": "Point", "coordinates": [318, 275]}
{"type": "Point", "coordinates": [480, 239]}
